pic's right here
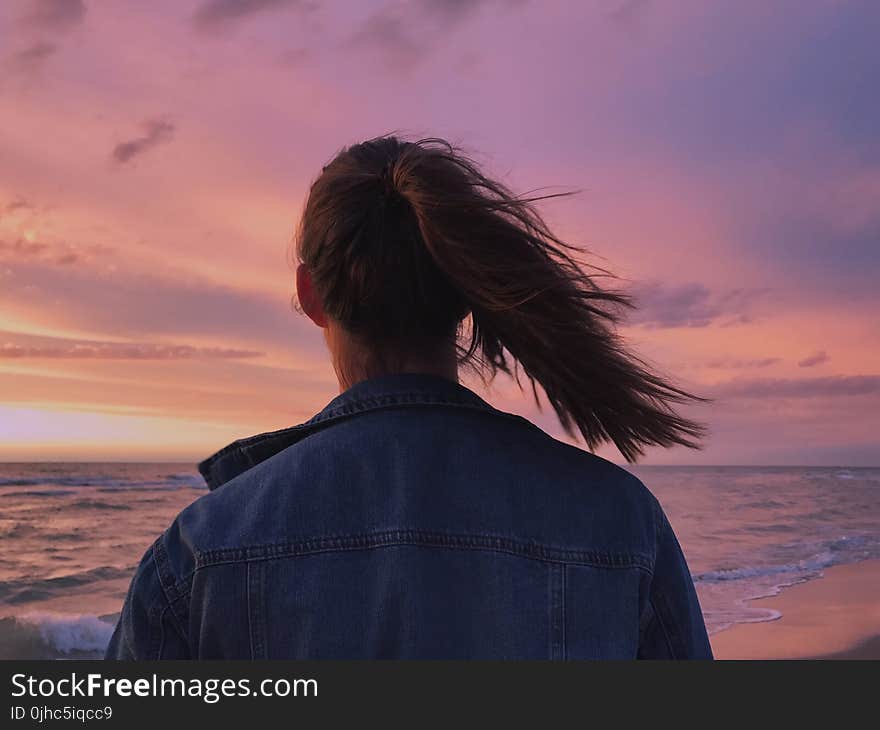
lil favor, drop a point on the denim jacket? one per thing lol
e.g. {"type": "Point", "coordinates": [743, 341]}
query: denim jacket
{"type": "Point", "coordinates": [410, 519]}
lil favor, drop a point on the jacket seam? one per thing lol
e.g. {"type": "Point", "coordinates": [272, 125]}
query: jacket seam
{"type": "Point", "coordinates": [173, 591]}
{"type": "Point", "coordinates": [563, 638]}
{"type": "Point", "coordinates": [155, 631]}
{"type": "Point", "coordinates": [557, 611]}
{"type": "Point", "coordinates": [659, 526]}
{"type": "Point", "coordinates": [255, 610]}
{"type": "Point", "coordinates": [659, 619]}
{"type": "Point", "coordinates": [184, 585]}
{"type": "Point", "coordinates": [364, 405]}
{"type": "Point", "coordinates": [165, 610]}
{"type": "Point", "coordinates": [345, 543]}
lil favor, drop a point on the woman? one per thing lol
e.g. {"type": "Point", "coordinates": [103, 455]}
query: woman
{"type": "Point", "coordinates": [409, 518]}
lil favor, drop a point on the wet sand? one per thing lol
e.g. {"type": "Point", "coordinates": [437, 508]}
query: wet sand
{"type": "Point", "coordinates": [834, 617]}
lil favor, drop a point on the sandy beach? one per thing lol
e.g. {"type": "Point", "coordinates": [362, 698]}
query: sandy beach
{"type": "Point", "coordinates": [834, 617]}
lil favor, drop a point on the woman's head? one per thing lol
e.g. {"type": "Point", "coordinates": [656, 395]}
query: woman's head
{"type": "Point", "coordinates": [408, 251]}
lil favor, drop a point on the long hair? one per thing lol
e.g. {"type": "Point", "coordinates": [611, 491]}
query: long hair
{"type": "Point", "coordinates": [409, 241]}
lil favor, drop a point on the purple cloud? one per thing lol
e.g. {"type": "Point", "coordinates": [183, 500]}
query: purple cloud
{"type": "Point", "coordinates": [386, 32]}
{"type": "Point", "coordinates": [399, 34]}
{"type": "Point", "coordinates": [450, 11]}
{"type": "Point", "coordinates": [216, 15]}
{"type": "Point", "coordinates": [156, 132]}
{"type": "Point", "coordinates": [627, 13]}
{"type": "Point", "coordinates": [733, 364]}
{"type": "Point", "coordinates": [690, 305]}
{"type": "Point", "coordinates": [815, 359]}
{"type": "Point", "coordinates": [831, 386]}
{"type": "Point", "coordinates": [55, 14]}
{"type": "Point", "coordinates": [33, 57]}
{"type": "Point", "coordinates": [295, 57]}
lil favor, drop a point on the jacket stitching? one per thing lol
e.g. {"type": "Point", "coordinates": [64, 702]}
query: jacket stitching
{"type": "Point", "coordinates": [421, 538]}
{"type": "Point", "coordinates": [659, 619]}
{"type": "Point", "coordinates": [155, 635]}
{"type": "Point", "coordinates": [556, 611]}
{"type": "Point", "coordinates": [173, 591]}
{"type": "Point", "coordinates": [368, 403]}
{"type": "Point", "coordinates": [256, 618]}
{"type": "Point", "coordinates": [250, 612]}
{"type": "Point", "coordinates": [564, 571]}
{"type": "Point", "coordinates": [229, 556]}
{"type": "Point", "coordinates": [165, 610]}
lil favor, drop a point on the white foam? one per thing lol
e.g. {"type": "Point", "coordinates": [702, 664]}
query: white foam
{"type": "Point", "coordinates": [808, 566]}
{"type": "Point", "coordinates": [68, 633]}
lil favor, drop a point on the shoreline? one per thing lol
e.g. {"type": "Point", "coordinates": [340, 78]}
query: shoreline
{"type": "Point", "coordinates": [836, 616]}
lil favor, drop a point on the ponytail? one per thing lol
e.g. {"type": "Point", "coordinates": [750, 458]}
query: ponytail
{"type": "Point", "coordinates": [404, 240]}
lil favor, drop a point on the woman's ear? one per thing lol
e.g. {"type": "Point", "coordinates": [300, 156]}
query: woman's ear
{"type": "Point", "coordinates": [308, 298]}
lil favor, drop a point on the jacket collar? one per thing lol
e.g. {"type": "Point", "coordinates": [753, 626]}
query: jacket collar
{"type": "Point", "coordinates": [387, 391]}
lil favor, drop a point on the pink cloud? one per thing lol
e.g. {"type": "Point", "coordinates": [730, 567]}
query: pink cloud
{"type": "Point", "coordinates": [121, 351]}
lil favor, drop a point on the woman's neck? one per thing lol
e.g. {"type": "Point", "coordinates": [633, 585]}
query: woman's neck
{"type": "Point", "coordinates": [355, 362]}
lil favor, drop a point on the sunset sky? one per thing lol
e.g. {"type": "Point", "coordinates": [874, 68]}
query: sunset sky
{"type": "Point", "coordinates": [154, 157]}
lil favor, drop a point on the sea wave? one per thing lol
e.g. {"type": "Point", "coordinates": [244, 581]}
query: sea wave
{"type": "Point", "coordinates": [717, 576]}
{"type": "Point", "coordinates": [726, 593]}
{"type": "Point", "coordinates": [836, 551]}
{"type": "Point", "coordinates": [28, 590]}
{"type": "Point", "coordinates": [90, 504]}
{"type": "Point", "coordinates": [167, 482]}
{"type": "Point", "coordinates": [45, 635]}
{"type": "Point", "coordinates": [864, 474]}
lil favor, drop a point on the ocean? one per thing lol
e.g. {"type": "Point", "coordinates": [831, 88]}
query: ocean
{"type": "Point", "coordinates": [72, 535]}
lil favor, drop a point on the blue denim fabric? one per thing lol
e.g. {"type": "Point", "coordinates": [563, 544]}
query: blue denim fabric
{"type": "Point", "coordinates": [410, 519]}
